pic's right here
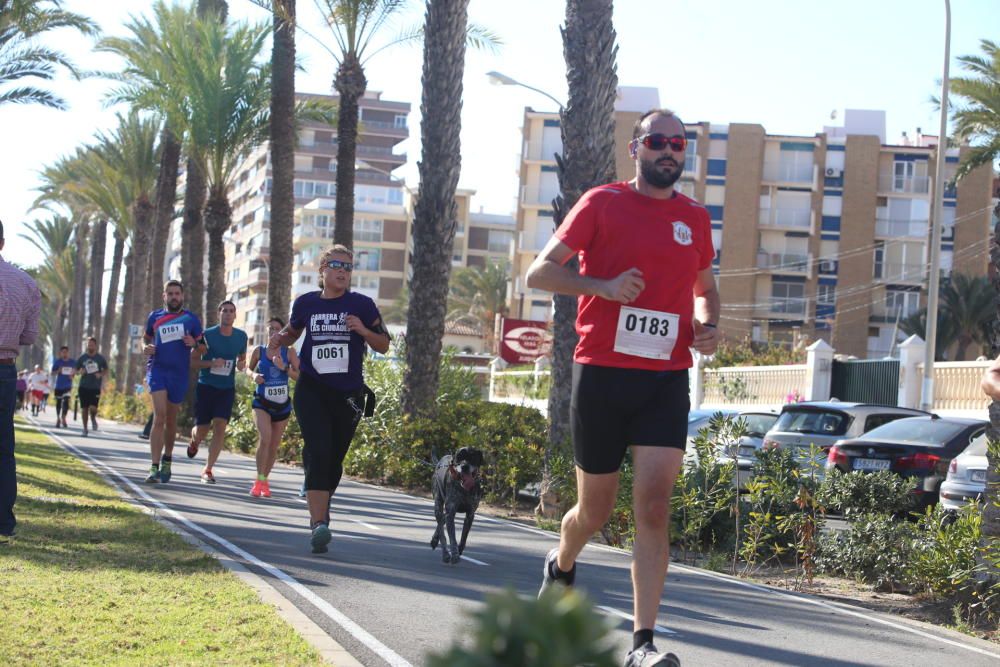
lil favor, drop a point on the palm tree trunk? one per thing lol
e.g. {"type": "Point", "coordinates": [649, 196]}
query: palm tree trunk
{"type": "Point", "coordinates": [98, 247]}
{"type": "Point", "coordinates": [220, 7]}
{"type": "Point", "coordinates": [79, 298]}
{"type": "Point", "coordinates": [107, 329]}
{"type": "Point", "coordinates": [193, 239]}
{"type": "Point", "coordinates": [350, 84]}
{"type": "Point", "coordinates": [218, 217]}
{"type": "Point", "coordinates": [991, 502]}
{"type": "Point", "coordinates": [279, 274]}
{"type": "Point", "coordinates": [138, 282]}
{"type": "Point", "coordinates": [122, 351]}
{"type": "Point", "coordinates": [436, 214]}
{"type": "Point", "coordinates": [588, 160]}
{"type": "Point", "coordinates": [166, 198]}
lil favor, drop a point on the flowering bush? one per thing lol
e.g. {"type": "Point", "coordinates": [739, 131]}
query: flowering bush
{"type": "Point", "coordinates": [794, 397]}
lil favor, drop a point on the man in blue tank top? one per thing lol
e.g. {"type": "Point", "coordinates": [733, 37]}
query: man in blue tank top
{"type": "Point", "coordinates": [63, 369]}
{"type": "Point", "coordinates": [171, 333]}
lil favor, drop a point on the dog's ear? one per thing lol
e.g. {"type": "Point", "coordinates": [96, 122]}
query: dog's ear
{"type": "Point", "coordinates": [462, 454]}
{"type": "Point", "coordinates": [476, 457]}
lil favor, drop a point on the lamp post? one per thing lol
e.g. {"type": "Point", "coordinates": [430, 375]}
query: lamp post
{"type": "Point", "coordinates": [498, 79]}
{"type": "Point", "coordinates": [934, 280]}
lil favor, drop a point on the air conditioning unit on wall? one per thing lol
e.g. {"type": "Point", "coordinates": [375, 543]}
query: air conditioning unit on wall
{"type": "Point", "coordinates": [833, 173]}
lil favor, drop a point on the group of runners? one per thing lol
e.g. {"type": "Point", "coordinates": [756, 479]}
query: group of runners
{"type": "Point", "coordinates": [33, 388]}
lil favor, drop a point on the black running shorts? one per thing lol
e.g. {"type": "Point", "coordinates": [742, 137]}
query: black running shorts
{"type": "Point", "coordinates": [89, 398]}
{"type": "Point", "coordinates": [614, 408]}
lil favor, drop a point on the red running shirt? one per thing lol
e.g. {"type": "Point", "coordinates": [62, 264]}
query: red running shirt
{"type": "Point", "coordinates": [613, 228]}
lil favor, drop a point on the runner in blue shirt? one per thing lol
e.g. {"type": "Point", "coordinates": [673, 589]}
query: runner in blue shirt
{"type": "Point", "coordinates": [330, 396]}
{"type": "Point", "coordinates": [171, 333]}
{"type": "Point", "coordinates": [223, 351]}
{"type": "Point", "coordinates": [63, 369]}
{"type": "Point", "coordinates": [272, 405]}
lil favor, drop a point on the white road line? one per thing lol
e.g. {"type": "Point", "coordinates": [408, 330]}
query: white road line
{"type": "Point", "coordinates": [366, 525]}
{"type": "Point", "coordinates": [322, 605]}
{"type": "Point", "coordinates": [473, 560]}
{"type": "Point", "coordinates": [628, 617]}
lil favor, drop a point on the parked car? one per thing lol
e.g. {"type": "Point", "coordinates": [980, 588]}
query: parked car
{"type": "Point", "coordinates": [917, 447]}
{"type": "Point", "coordinates": [823, 423]}
{"type": "Point", "coordinates": [697, 420]}
{"type": "Point", "coordinates": [966, 478]}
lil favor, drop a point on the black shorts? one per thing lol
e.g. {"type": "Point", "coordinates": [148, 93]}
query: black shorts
{"type": "Point", "coordinates": [328, 419]}
{"type": "Point", "coordinates": [614, 408]}
{"type": "Point", "coordinates": [89, 398]}
{"type": "Point", "coordinates": [63, 393]}
{"type": "Point", "coordinates": [278, 412]}
{"type": "Point", "coordinates": [212, 403]}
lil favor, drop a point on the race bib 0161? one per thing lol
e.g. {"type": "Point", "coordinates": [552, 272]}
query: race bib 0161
{"type": "Point", "coordinates": [330, 358]}
{"type": "Point", "coordinates": [646, 333]}
{"type": "Point", "coordinates": [171, 332]}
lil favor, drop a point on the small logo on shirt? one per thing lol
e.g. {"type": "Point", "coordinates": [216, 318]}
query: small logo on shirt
{"type": "Point", "coordinates": [682, 233]}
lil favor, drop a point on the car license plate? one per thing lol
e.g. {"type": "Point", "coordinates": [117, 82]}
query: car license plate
{"type": "Point", "coordinates": [871, 464]}
{"type": "Point", "coordinates": [748, 451]}
{"type": "Point", "coordinates": [978, 475]}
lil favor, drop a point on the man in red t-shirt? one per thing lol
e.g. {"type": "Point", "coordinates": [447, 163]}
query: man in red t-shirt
{"type": "Point", "coordinates": [647, 295]}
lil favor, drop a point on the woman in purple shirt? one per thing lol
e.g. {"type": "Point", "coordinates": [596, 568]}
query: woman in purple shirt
{"type": "Point", "coordinates": [330, 394]}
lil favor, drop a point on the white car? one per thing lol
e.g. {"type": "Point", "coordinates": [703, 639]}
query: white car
{"type": "Point", "coordinates": [966, 478]}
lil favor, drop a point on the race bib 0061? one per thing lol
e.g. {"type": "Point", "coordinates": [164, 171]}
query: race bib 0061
{"type": "Point", "coordinates": [330, 358]}
{"type": "Point", "coordinates": [646, 333]}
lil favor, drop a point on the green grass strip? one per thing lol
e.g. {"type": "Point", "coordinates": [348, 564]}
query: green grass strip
{"type": "Point", "coordinates": [91, 579]}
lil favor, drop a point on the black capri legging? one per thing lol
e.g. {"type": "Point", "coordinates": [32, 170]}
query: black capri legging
{"type": "Point", "coordinates": [328, 419]}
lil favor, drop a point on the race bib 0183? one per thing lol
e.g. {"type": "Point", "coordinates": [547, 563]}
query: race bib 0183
{"type": "Point", "coordinates": [646, 333]}
{"type": "Point", "coordinates": [330, 358]}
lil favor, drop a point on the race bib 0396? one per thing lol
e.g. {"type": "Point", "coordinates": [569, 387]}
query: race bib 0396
{"type": "Point", "coordinates": [276, 394]}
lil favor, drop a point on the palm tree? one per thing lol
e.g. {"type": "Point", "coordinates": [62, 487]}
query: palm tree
{"type": "Point", "coordinates": [477, 295]}
{"type": "Point", "coordinates": [588, 160]}
{"type": "Point", "coordinates": [22, 22]}
{"type": "Point", "coordinates": [53, 237]}
{"type": "Point", "coordinates": [228, 98]}
{"type": "Point", "coordinates": [968, 300]}
{"type": "Point", "coordinates": [279, 273]}
{"type": "Point", "coordinates": [435, 216]}
{"type": "Point", "coordinates": [976, 116]}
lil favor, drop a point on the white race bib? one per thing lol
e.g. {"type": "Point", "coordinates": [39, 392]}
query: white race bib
{"type": "Point", "coordinates": [330, 358]}
{"type": "Point", "coordinates": [171, 332]}
{"type": "Point", "coordinates": [66, 370]}
{"type": "Point", "coordinates": [646, 333]}
{"type": "Point", "coordinates": [225, 369]}
{"type": "Point", "coordinates": [91, 367]}
{"type": "Point", "coordinates": [276, 394]}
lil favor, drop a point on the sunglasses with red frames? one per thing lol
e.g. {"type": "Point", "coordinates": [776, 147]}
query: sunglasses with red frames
{"type": "Point", "coordinates": [657, 142]}
{"type": "Point", "coordinates": [337, 264]}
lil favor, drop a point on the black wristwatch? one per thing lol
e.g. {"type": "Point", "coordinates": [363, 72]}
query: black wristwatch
{"type": "Point", "coordinates": [710, 325]}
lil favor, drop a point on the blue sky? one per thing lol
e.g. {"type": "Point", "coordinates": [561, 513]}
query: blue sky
{"type": "Point", "coordinates": [784, 64]}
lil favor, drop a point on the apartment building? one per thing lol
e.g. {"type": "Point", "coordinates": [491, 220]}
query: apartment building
{"type": "Point", "coordinates": [822, 236]}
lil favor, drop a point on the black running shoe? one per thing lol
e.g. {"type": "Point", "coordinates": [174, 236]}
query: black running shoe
{"type": "Point", "coordinates": [548, 581]}
{"type": "Point", "coordinates": [647, 656]}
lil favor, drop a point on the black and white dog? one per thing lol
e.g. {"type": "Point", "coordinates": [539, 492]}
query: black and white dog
{"type": "Point", "coordinates": [456, 489]}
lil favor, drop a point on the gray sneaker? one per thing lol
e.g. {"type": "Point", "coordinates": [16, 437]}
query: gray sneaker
{"type": "Point", "coordinates": [320, 538]}
{"type": "Point", "coordinates": [647, 656]}
{"type": "Point", "coordinates": [548, 581]}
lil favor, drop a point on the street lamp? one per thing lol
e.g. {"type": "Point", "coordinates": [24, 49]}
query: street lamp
{"type": "Point", "coordinates": [498, 79]}
{"type": "Point", "coordinates": [933, 283]}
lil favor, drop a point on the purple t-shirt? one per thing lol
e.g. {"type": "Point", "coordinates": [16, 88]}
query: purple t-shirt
{"type": "Point", "coordinates": [330, 352]}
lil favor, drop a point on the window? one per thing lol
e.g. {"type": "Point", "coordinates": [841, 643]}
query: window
{"type": "Point", "coordinates": [395, 196]}
{"type": "Point", "coordinates": [819, 422]}
{"type": "Point", "coordinates": [368, 230]}
{"type": "Point", "coordinates": [788, 297]}
{"type": "Point", "coordinates": [826, 294]}
{"type": "Point", "coordinates": [499, 240]}
{"type": "Point", "coordinates": [367, 259]}
{"type": "Point", "coordinates": [901, 304]}
{"type": "Point", "coordinates": [305, 280]}
{"type": "Point", "coordinates": [902, 176]}
{"type": "Point", "coordinates": [879, 258]}
{"type": "Point", "coordinates": [399, 121]}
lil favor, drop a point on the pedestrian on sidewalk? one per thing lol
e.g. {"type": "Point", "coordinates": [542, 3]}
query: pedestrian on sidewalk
{"type": "Point", "coordinates": [63, 369]}
{"type": "Point", "coordinates": [91, 367]}
{"type": "Point", "coordinates": [330, 395]}
{"type": "Point", "coordinates": [38, 388]}
{"type": "Point", "coordinates": [223, 351]}
{"type": "Point", "coordinates": [646, 295]}
{"type": "Point", "coordinates": [272, 405]}
{"type": "Point", "coordinates": [20, 304]}
{"type": "Point", "coordinates": [172, 332]}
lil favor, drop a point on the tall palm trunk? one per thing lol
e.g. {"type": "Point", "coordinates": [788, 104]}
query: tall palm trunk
{"type": "Point", "coordinates": [193, 239]}
{"type": "Point", "coordinates": [350, 84]}
{"type": "Point", "coordinates": [279, 274]}
{"type": "Point", "coordinates": [436, 214]}
{"type": "Point", "coordinates": [122, 343]}
{"type": "Point", "coordinates": [79, 299]}
{"type": "Point", "coordinates": [98, 248]}
{"type": "Point", "coordinates": [218, 217]}
{"type": "Point", "coordinates": [991, 503]}
{"type": "Point", "coordinates": [138, 281]}
{"type": "Point", "coordinates": [588, 160]}
{"type": "Point", "coordinates": [108, 328]}
{"type": "Point", "coordinates": [166, 198]}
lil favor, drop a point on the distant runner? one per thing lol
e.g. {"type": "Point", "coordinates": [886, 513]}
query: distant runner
{"type": "Point", "coordinates": [63, 369]}
{"type": "Point", "coordinates": [92, 367]}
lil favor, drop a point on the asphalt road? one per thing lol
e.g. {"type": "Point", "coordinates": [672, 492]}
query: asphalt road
{"type": "Point", "coordinates": [387, 598]}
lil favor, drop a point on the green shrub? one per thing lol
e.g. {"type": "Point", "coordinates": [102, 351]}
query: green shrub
{"type": "Point", "coordinates": [874, 549]}
{"type": "Point", "coordinates": [943, 559]}
{"type": "Point", "coordinates": [123, 408]}
{"type": "Point", "coordinates": [510, 631]}
{"type": "Point", "coordinates": [867, 492]}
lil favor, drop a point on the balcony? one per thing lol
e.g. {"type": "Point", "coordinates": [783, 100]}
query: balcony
{"type": "Point", "coordinates": [896, 228]}
{"type": "Point", "coordinates": [889, 272]}
{"type": "Point", "coordinates": [787, 263]}
{"type": "Point", "coordinates": [791, 172]}
{"type": "Point", "coordinates": [799, 219]}
{"type": "Point", "coordinates": [534, 196]}
{"type": "Point", "coordinates": [692, 167]}
{"type": "Point", "coordinates": [256, 276]}
{"type": "Point", "coordinates": [537, 151]}
{"type": "Point", "coordinates": [529, 243]}
{"type": "Point", "coordinates": [782, 308]}
{"type": "Point", "coordinates": [306, 234]}
{"type": "Point", "coordinates": [890, 182]}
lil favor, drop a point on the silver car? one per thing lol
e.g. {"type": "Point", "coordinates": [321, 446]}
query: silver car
{"type": "Point", "coordinates": [966, 478]}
